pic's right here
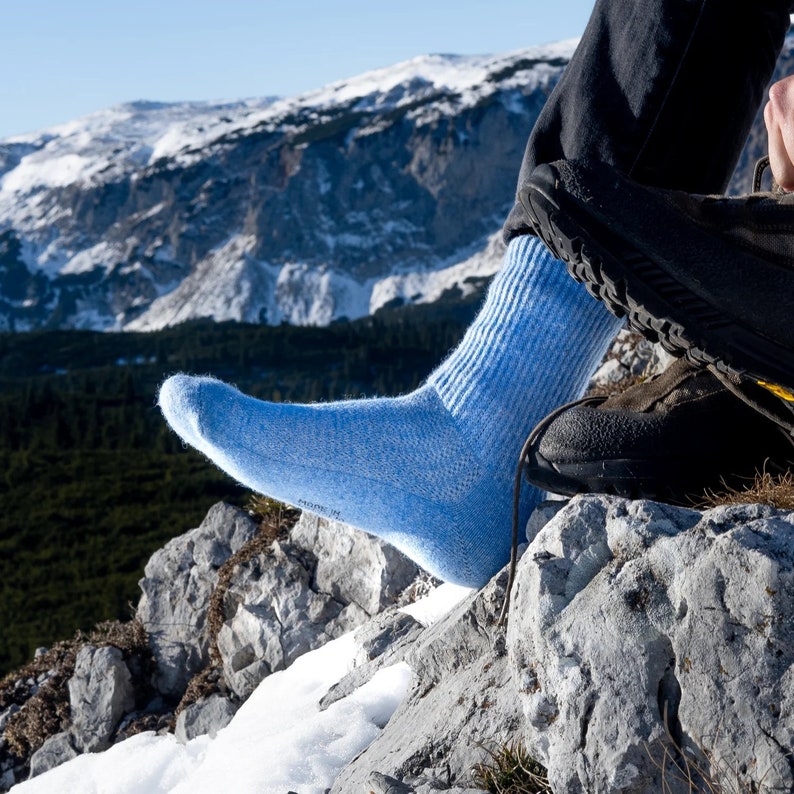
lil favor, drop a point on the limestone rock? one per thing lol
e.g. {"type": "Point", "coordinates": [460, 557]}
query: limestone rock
{"type": "Point", "coordinates": [56, 750]}
{"type": "Point", "coordinates": [629, 357]}
{"type": "Point", "coordinates": [275, 617]}
{"type": "Point", "coordinates": [648, 640]}
{"type": "Point", "coordinates": [649, 648]}
{"type": "Point", "coordinates": [100, 693]}
{"type": "Point", "coordinates": [352, 566]}
{"type": "Point", "coordinates": [7, 779]}
{"type": "Point", "coordinates": [322, 582]}
{"type": "Point", "coordinates": [177, 585]}
{"type": "Point", "coordinates": [462, 701]}
{"type": "Point", "coordinates": [382, 641]}
{"type": "Point", "coordinates": [351, 617]}
{"type": "Point", "coordinates": [385, 784]}
{"type": "Point", "coordinates": [205, 717]}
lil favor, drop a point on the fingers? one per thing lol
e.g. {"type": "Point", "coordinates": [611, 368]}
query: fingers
{"type": "Point", "coordinates": [779, 118]}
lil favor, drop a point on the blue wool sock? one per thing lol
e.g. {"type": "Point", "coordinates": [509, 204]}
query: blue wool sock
{"type": "Point", "coordinates": [430, 472]}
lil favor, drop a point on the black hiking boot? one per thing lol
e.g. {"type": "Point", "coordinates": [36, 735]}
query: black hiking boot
{"type": "Point", "coordinates": [672, 438]}
{"type": "Point", "coordinates": [708, 276]}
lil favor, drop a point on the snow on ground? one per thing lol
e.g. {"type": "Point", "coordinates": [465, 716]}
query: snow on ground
{"type": "Point", "coordinates": [278, 741]}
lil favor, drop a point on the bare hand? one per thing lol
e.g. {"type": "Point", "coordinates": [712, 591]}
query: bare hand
{"type": "Point", "coordinates": [779, 118]}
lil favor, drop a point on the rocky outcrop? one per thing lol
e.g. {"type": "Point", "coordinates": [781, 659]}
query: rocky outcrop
{"type": "Point", "coordinates": [352, 567]}
{"type": "Point", "coordinates": [225, 600]}
{"type": "Point", "coordinates": [279, 602]}
{"type": "Point", "coordinates": [56, 750]}
{"type": "Point", "coordinates": [177, 585]}
{"type": "Point", "coordinates": [647, 648]}
{"type": "Point", "coordinates": [462, 701]}
{"type": "Point", "coordinates": [652, 643]}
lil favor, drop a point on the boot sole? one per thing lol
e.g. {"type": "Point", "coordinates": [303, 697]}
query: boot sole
{"type": "Point", "coordinates": [624, 478]}
{"type": "Point", "coordinates": [630, 478]}
{"type": "Point", "coordinates": [633, 286]}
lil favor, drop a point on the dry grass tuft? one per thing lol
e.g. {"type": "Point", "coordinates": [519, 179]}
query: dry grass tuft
{"type": "Point", "coordinates": [201, 686]}
{"type": "Point", "coordinates": [611, 388]}
{"type": "Point", "coordinates": [274, 518]}
{"type": "Point", "coordinates": [511, 770]}
{"type": "Point", "coordinates": [766, 489]}
{"type": "Point", "coordinates": [129, 637]}
{"type": "Point", "coordinates": [40, 687]}
{"type": "Point", "coordinates": [275, 521]}
{"type": "Point", "coordinates": [43, 713]}
{"type": "Point", "coordinates": [704, 776]}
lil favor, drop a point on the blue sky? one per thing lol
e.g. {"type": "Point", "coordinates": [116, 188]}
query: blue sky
{"type": "Point", "coordinates": [60, 59]}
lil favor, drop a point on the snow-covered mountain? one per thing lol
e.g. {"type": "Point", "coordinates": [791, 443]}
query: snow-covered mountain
{"type": "Point", "coordinates": [386, 188]}
{"type": "Point", "coordinates": [379, 190]}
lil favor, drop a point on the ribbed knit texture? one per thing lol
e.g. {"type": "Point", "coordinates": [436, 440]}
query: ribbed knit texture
{"type": "Point", "coordinates": [430, 472]}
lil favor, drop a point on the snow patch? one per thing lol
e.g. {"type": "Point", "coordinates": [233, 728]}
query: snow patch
{"type": "Point", "coordinates": [428, 287]}
{"type": "Point", "coordinates": [100, 255]}
{"type": "Point", "coordinates": [278, 741]}
{"type": "Point", "coordinates": [39, 170]}
{"type": "Point", "coordinates": [307, 295]}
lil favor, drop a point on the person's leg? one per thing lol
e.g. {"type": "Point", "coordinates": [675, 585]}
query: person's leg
{"type": "Point", "coordinates": [430, 472]}
{"type": "Point", "coordinates": [705, 276]}
{"type": "Point", "coordinates": [663, 90]}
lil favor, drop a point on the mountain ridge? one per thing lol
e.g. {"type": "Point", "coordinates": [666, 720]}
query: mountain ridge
{"type": "Point", "coordinates": [317, 207]}
{"type": "Point", "coordinates": [383, 189]}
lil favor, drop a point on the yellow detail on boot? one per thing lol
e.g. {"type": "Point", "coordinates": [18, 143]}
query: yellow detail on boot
{"type": "Point", "coordinates": [778, 391]}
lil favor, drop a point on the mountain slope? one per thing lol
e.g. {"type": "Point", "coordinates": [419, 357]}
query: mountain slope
{"type": "Point", "coordinates": [306, 209]}
{"type": "Point", "coordinates": [379, 190]}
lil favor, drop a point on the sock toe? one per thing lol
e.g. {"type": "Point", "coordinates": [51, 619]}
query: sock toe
{"type": "Point", "coordinates": [180, 401]}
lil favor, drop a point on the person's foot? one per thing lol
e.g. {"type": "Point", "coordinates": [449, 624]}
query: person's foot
{"type": "Point", "coordinates": [672, 438]}
{"type": "Point", "coordinates": [432, 471]}
{"type": "Point", "coordinates": [708, 276]}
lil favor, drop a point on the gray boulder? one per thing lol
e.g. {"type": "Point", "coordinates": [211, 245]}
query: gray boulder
{"type": "Point", "coordinates": [654, 644]}
{"type": "Point", "coordinates": [56, 750]}
{"type": "Point", "coordinates": [353, 567]}
{"type": "Point", "coordinates": [100, 693]}
{"type": "Point", "coordinates": [178, 582]}
{"type": "Point", "coordinates": [462, 703]}
{"type": "Point", "coordinates": [275, 616]}
{"type": "Point", "coordinates": [384, 640]}
{"type": "Point", "coordinates": [325, 580]}
{"type": "Point", "coordinates": [204, 717]}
